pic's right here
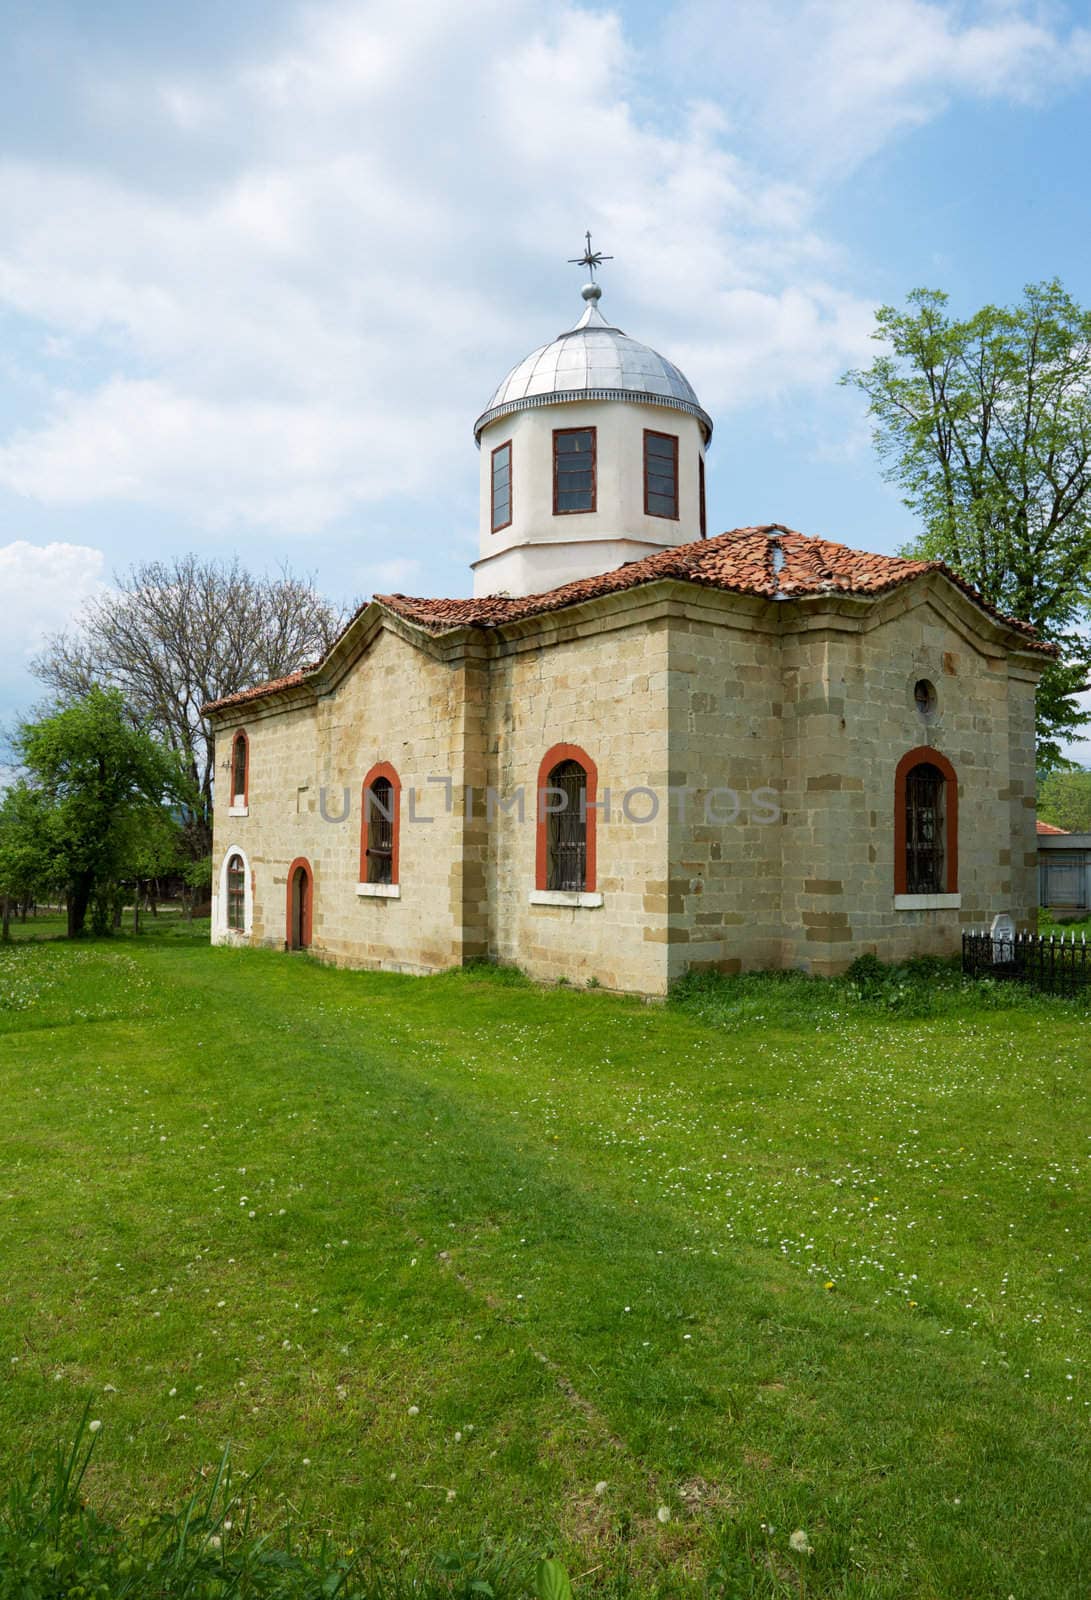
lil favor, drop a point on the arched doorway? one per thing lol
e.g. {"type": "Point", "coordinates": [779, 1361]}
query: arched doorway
{"type": "Point", "coordinates": [300, 904]}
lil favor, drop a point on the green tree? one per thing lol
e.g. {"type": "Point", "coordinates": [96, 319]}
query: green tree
{"type": "Point", "coordinates": [985, 424]}
{"type": "Point", "coordinates": [105, 784]}
{"type": "Point", "coordinates": [1064, 798]}
{"type": "Point", "coordinates": [27, 868]}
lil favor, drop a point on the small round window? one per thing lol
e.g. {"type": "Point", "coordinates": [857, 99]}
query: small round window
{"type": "Point", "coordinates": [924, 694]}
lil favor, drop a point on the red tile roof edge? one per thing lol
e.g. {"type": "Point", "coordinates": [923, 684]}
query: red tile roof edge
{"type": "Point", "coordinates": [260, 690]}
{"type": "Point", "coordinates": [739, 562]}
{"type": "Point", "coordinates": [1047, 827]}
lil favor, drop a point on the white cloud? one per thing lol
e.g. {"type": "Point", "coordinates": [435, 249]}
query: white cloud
{"type": "Point", "coordinates": [829, 81]}
{"type": "Point", "coordinates": [43, 587]}
{"type": "Point", "coordinates": [295, 318]}
{"type": "Point", "coordinates": [310, 329]}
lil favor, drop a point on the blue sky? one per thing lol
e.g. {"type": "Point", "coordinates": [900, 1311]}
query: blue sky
{"type": "Point", "coordinates": [261, 265]}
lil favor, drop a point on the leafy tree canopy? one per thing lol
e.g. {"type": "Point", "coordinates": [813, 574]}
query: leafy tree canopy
{"type": "Point", "coordinates": [985, 424]}
{"type": "Point", "coordinates": [1064, 799]}
{"type": "Point", "coordinates": [103, 794]}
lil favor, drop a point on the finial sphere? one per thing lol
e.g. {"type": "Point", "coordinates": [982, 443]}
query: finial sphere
{"type": "Point", "coordinates": [591, 291]}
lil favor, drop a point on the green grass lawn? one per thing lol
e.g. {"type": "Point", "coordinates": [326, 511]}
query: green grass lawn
{"type": "Point", "coordinates": [466, 1263]}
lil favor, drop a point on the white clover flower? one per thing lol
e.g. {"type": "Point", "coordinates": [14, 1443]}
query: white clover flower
{"type": "Point", "coordinates": [800, 1543]}
{"type": "Point", "coordinates": [93, 1427]}
{"type": "Point", "coordinates": [663, 1514]}
{"type": "Point", "coordinates": [601, 1487]}
{"type": "Point", "coordinates": [450, 1495]}
{"type": "Point", "coordinates": [414, 1411]}
{"type": "Point", "coordinates": [214, 1541]}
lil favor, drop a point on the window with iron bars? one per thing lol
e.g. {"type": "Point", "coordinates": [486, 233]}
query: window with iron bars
{"type": "Point", "coordinates": [567, 852]}
{"type": "Point", "coordinates": [924, 829]}
{"type": "Point", "coordinates": [380, 831]}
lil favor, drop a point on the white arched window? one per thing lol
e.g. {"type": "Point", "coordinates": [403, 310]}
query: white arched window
{"type": "Point", "coordinates": [233, 912]}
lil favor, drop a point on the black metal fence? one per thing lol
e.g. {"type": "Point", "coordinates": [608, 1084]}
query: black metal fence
{"type": "Point", "coordinates": [1057, 963]}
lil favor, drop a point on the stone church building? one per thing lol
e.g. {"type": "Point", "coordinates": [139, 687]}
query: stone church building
{"type": "Point", "coordinates": [637, 749]}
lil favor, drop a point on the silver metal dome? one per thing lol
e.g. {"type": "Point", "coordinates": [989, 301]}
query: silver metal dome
{"type": "Point", "coordinates": [593, 361]}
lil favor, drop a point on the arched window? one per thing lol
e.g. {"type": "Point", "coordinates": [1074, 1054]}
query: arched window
{"type": "Point", "coordinates": [380, 826]}
{"type": "Point", "coordinates": [566, 813]}
{"type": "Point", "coordinates": [236, 893]}
{"type": "Point", "coordinates": [234, 900]}
{"type": "Point", "coordinates": [925, 824]}
{"type": "Point", "coordinates": [240, 769]}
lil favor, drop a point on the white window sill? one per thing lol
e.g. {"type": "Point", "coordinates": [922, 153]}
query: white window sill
{"type": "Point", "coordinates": [379, 891]}
{"type": "Point", "coordinates": [580, 898]}
{"type": "Point", "coordinates": [927, 902]}
{"type": "Point", "coordinates": [238, 811]}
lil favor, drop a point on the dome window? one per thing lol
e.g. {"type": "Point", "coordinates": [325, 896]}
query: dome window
{"type": "Point", "coordinates": [573, 470]}
{"type": "Point", "coordinates": [501, 487]}
{"type": "Point", "coordinates": [660, 474]}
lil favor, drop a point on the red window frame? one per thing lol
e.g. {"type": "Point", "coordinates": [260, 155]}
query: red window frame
{"type": "Point", "coordinates": [593, 507]}
{"type": "Point", "coordinates": [653, 433]}
{"type": "Point", "coordinates": [914, 758]}
{"type": "Point", "coordinates": [382, 769]}
{"type": "Point", "coordinates": [498, 527]}
{"type": "Point", "coordinates": [553, 758]}
{"type": "Point", "coordinates": [240, 738]}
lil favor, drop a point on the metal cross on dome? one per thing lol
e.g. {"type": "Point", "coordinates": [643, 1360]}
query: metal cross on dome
{"type": "Point", "coordinates": [590, 258]}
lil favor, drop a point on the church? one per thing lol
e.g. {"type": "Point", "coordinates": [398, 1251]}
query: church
{"type": "Point", "coordinates": [638, 749]}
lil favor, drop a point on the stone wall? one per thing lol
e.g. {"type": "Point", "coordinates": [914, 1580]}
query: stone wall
{"type": "Point", "coordinates": [598, 682]}
{"type": "Point", "coordinates": [397, 704]}
{"type": "Point", "coordinates": [822, 712]}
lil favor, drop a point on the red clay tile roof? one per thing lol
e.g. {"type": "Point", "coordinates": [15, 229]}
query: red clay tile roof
{"type": "Point", "coordinates": [1047, 827]}
{"type": "Point", "coordinates": [261, 689]}
{"type": "Point", "coordinates": [741, 562]}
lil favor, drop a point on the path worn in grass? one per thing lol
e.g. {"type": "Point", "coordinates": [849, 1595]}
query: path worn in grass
{"type": "Point", "coordinates": [451, 1253]}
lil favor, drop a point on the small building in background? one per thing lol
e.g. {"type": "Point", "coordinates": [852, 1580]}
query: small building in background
{"type": "Point", "coordinates": [1064, 872]}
